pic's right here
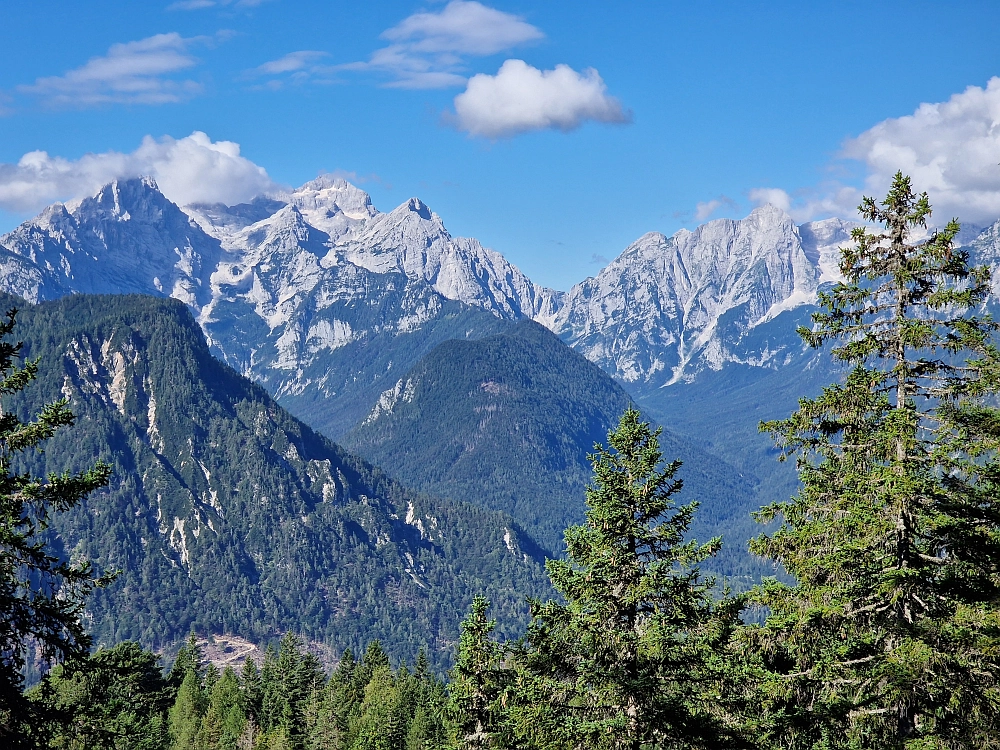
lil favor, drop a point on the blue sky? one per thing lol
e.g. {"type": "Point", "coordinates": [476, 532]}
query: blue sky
{"type": "Point", "coordinates": [555, 132]}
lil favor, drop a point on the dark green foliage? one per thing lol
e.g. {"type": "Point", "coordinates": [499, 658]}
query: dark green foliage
{"type": "Point", "coordinates": [628, 660]}
{"type": "Point", "coordinates": [224, 721]}
{"type": "Point", "coordinates": [190, 658]}
{"type": "Point", "coordinates": [720, 411]}
{"type": "Point", "coordinates": [506, 422]}
{"type": "Point", "coordinates": [116, 699]}
{"type": "Point", "coordinates": [366, 706]}
{"type": "Point", "coordinates": [42, 595]}
{"type": "Point", "coordinates": [891, 638]}
{"type": "Point", "coordinates": [229, 516]}
{"type": "Point", "coordinates": [187, 711]}
{"type": "Point", "coordinates": [477, 680]}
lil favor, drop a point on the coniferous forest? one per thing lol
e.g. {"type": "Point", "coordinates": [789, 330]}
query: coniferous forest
{"type": "Point", "coordinates": [881, 631]}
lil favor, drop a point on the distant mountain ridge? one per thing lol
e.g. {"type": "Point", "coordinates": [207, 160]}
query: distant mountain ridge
{"type": "Point", "coordinates": [507, 422]}
{"type": "Point", "coordinates": [328, 303]}
{"type": "Point", "coordinates": [263, 276]}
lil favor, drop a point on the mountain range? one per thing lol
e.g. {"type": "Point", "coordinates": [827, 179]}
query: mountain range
{"type": "Point", "coordinates": [269, 280]}
{"type": "Point", "coordinates": [334, 308]}
{"type": "Point", "coordinates": [226, 515]}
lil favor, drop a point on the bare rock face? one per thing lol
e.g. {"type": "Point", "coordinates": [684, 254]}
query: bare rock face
{"type": "Point", "coordinates": [668, 307]}
{"type": "Point", "coordinates": [126, 238]}
{"type": "Point", "coordinates": [283, 286]}
{"type": "Point", "coordinates": [287, 286]}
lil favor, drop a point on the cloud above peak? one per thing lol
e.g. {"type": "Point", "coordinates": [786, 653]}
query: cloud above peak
{"type": "Point", "coordinates": [950, 149]}
{"type": "Point", "coordinates": [193, 169]}
{"type": "Point", "coordinates": [521, 98]}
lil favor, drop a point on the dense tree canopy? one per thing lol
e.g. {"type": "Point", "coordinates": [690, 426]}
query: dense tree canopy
{"type": "Point", "coordinates": [626, 659]}
{"type": "Point", "coordinates": [41, 595]}
{"type": "Point", "coordinates": [890, 637]}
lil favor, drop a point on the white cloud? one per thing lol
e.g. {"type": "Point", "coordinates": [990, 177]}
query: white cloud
{"type": "Point", "coordinates": [705, 209]}
{"type": "Point", "coordinates": [202, 4]}
{"type": "Point", "coordinates": [429, 49]}
{"type": "Point", "coordinates": [463, 28]}
{"type": "Point", "coordinates": [775, 196]}
{"type": "Point", "coordinates": [950, 150]}
{"type": "Point", "coordinates": [520, 98]}
{"type": "Point", "coordinates": [828, 199]}
{"type": "Point", "coordinates": [298, 67]}
{"type": "Point", "coordinates": [292, 62]}
{"type": "Point", "coordinates": [188, 170]}
{"type": "Point", "coordinates": [141, 72]}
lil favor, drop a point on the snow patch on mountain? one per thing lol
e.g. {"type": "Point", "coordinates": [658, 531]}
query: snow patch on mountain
{"type": "Point", "coordinates": [285, 280]}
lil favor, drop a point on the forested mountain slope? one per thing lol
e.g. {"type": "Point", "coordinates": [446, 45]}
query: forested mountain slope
{"type": "Point", "coordinates": [507, 422]}
{"type": "Point", "coordinates": [225, 514]}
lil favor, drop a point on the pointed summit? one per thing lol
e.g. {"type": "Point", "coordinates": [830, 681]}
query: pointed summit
{"type": "Point", "coordinates": [126, 238]}
{"type": "Point", "coordinates": [420, 208]}
{"type": "Point", "coordinates": [666, 308]}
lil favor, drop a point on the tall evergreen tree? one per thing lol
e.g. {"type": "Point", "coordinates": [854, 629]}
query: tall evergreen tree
{"type": "Point", "coordinates": [186, 713]}
{"type": "Point", "coordinates": [117, 700]}
{"type": "Point", "coordinates": [382, 723]}
{"type": "Point", "coordinates": [891, 637]}
{"type": "Point", "coordinates": [625, 662]}
{"type": "Point", "coordinates": [225, 716]}
{"type": "Point", "coordinates": [477, 680]}
{"type": "Point", "coordinates": [189, 656]}
{"type": "Point", "coordinates": [427, 716]}
{"type": "Point", "coordinates": [41, 596]}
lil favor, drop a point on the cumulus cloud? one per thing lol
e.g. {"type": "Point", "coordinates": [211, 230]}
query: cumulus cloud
{"type": "Point", "coordinates": [521, 98]}
{"type": "Point", "coordinates": [775, 196]}
{"type": "Point", "coordinates": [826, 199]}
{"type": "Point", "coordinates": [464, 28]}
{"type": "Point", "coordinates": [430, 49]}
{"type": "Point", "coordinates": [194, 169]}
{"type": "Point", "coordinates": [140, 72]}
{"type": "Point", "coordinates": [951, 150]}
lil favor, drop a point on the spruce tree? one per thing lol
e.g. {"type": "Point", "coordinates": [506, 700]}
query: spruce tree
{"type": "Point", "coordinates": [250, 685]}
{"type": "Point", "coordinates": [186, 713]}
{"type": "Point", "coordinates": [117, 700]}
{"type": "Point", "coordinates": [626, 661]}
{"type": "Point", "coordinates": [41, 596]}
{"type": "Point", "coordinates": [189, 656]}
{"type": "Point", "coordinates": [382, 722]}
{"type": "Point", "coordinates": [427, 723]}
{"type": "Point", "coordinates": [476, 680]}
{"type": "Point", "coordinates": [225, 716]}
{"type": "Point", "coordinates": [891, 637]}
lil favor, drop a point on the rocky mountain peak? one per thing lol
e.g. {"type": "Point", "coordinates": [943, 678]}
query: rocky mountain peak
{"type": "Point", "coordinates": [656, 312]}
{"type": "Point", "coordinates": [135, 199]}
{"type": "Point", "coordinates": [822, 240]}
{"type": "Point", "coordinates": [420, 208]}
{"type": "Point", "coordinates": [332, 204]}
